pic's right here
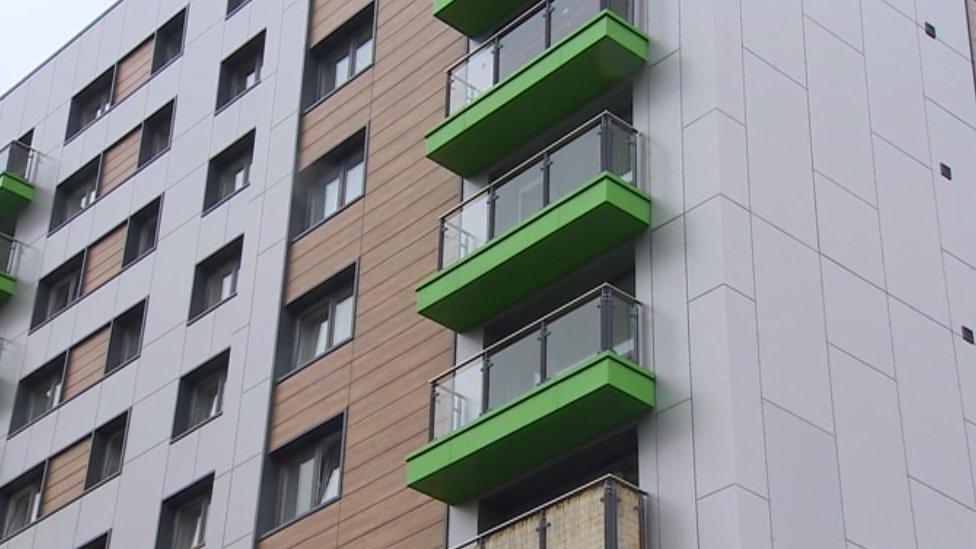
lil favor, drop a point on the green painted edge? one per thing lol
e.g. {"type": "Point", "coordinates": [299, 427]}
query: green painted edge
{"type": "Point", "coordinates": [15, 194]}
{"type": "Point", "coordinates": [476, 17]}
{"type": "Point", "coordinates": [8, 285]}
{"type": "Point", "coordinates": [606, 188]}
{"type": "Point", "coordinates": [604, 25]}
{"type": "Point", "coordinates": [602, 370]}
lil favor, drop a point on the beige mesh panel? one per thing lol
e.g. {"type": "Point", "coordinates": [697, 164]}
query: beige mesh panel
{"type": "Point", "coordinates": [577, 522]}
{"type": "Point", "coordinates": [628, 518]}
{"type": "Point", "coordinates": [520, 535]}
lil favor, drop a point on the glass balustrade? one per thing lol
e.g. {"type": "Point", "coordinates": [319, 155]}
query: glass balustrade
{"type": "Point", "coordinates": [18, 160]}
{"type": "Point", "coordinates": [517, 43]}
{"type": "Point", "coordinates": [605, 319]}
{"type": "Point", "coordinates": [604, 144]}
{"type": "Point", "coordinates": [608, 513]}
{"type": "Point", "coordinates": [9, 251]}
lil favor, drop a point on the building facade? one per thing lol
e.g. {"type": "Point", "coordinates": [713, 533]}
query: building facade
{"type": "Point", "coordinates": [577, 273]}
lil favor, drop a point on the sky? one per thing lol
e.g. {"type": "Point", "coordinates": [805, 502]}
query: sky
{"type": "Point", "coordinates": [32, 30]}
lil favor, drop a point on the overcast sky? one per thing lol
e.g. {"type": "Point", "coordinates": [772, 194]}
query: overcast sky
{"type": "Point", "coordinates": [32, 30]}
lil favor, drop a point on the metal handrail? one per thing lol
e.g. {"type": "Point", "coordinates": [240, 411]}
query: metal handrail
{"type": "Point", "coordinates": [29, 165]}
{"type": "Point", "coordinates": [608, 478]}
{"type": "Point", "coordinates": [521, 167]}
{"type": "Point", "coordinates": [494, 40]}
{"type": "Point", "coordinates": [533, 325]}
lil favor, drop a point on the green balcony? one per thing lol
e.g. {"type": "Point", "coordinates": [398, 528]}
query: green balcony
{"type": "Point", "coordinates": [518, 85]}
{"type": "Point", "coordinates": [9, 249]}
{"type": "Point", "coordinates": [492, 422]}
{"type": "Point", "coordinates": [475, 17]}
{"type": "Point", "coordinates": [559, 210]}
{"type": "Point", "coordinates": [16, 191]}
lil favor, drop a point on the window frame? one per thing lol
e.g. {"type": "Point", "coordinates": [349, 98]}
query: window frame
{"type": "Point", "coordinates": [173, 506]}
{"type": "Point", "coordinates": [320, 59]}
{"type": "Point", "coordinates": [148, 216]}
{"type": "Point", "coordinates": [33, 478]}
{"type": "Point", "coordinates": [231, 253]}
{"type": "Point", "coordinates": [149, 134]}
{"type": "Point", "coordinates": [230, 71]}
{"type": "Point", "coordinates": [356, 145]}
{"type": "Point", "coordinates": [271, 503]}
{"type": "Point", "coordinates": [86, 177]}
{"type": "Point", "coordinates": [20, 418]}
{"type": "Point", "coordinates": [101, 438]}
{"type": "Point", "coordinates": [70, 272]}
{"type": "Point", "coordinates": [120, 327]}
{"type": "Point", "coordinates": [183, 423]}
{"type": "Point", "coordinates": [231, 155]}
{"type": "Point", "coordinates": [178, 20]}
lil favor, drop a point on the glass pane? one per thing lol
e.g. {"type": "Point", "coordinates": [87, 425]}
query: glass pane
{"type": "Point", "coordinates": [573, 337]}
{"type": "Point", "coordinates": [19, 509]}
{"type": "Point", "coordinates": [331, 197]}
{"type": "Point", "coordinates": [112, 458]}
{"type": "Point", "coordinates": [574, 164]}
{"type": "Point", "coordinates": [206, 399]}
{"type": "Point", "coordinates": [465, 230]}
{"type": "Point", "coordinates": [343, 320]}
{"type": "Point", "coordinates": [329, 481]}
{"type": "Point", "coordinates": [130, 343]}
{"type": "Point", "coordinates": [313, 334]}
{"type": "Point", "coordinates": [297, 486]}
{"type": "Point", "coordinates": [514, 369]}
{"type": "Point", "coordinates": [341, 73]}
{"type": "Point", "coordinates": [472, 77]}
{"type": "Point", "coordinates": [189, 526]}
{"type": "Point", "coordinates": [517, 199]}
{"type": "Point", "coordinates": [622, 150]}
{"type": "Point", "coordinates": [457, 398]}
{"type": "Point", "coordinates": [522, 43]}
{"type": "Point", "coordinates": [6, 255]}
{"type": "Point", "coordinates": [354, 182]}
{"type": "Point", "coordinates": [623, 327]}
{"type": "Point", "coordinates": [364, 55]}
{"type": "Point", "coordinates": [43, 396]}
{"type": "Point", "coordinates": [569, 15]}
{"type": "Point", "coordinates": [147, 236]}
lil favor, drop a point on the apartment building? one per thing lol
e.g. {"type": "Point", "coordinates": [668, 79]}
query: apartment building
{"type": "Point", "coordinates": [507, 274]}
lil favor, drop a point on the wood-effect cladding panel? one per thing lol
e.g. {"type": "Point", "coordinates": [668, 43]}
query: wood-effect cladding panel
{"type": "Point", "coordinates": [66, 476]}
{"type": "Point", "coordinates": [327, 15]}
{"type": "Point", "coordinates": [120, 161]}
{"type": "Point", "coordinates": [335, 119]}
{"type": "Point", "coordinates": [380, 377]}
{"type": "Point", "coordinates": [104, 259]}
{"type": "Point", "coordinates": [134, 70]}
{"type": "Point", "coordinates": [86, 363]}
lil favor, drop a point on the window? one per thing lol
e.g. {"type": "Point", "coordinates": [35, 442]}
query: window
{"type": "Point", "coordinates": [305, 474]}
{"type": "Point", "coordinates": [76, 193]}
{"type": "Point", "coordinates": [58, 290]}
{"type": "Point", "coordinates": [334, 180]}
{"type": "Point", "coordinates": [101, 542]}
{"type": "Point", "coordinates": [38, 393]}
{"type": "Point", "coordinates": [201, 394]}
{"type": "Point", "coordinates": [183, 519]}
{"type": "Point", "coordinates": [156, 133]}
{"type": "Point", "coordinates": [108, 446]}
{"type": "Point", "coordinates": [169, 41]}
{"type": "Point", "coordinates": [323, 319]}
{"type": "Point", "coordinates": [125, 341]}
{"type": "Point", "coordinates": [241, 71]}
{"type": "Point", "coordinates": [215, 280]}
{"type": "Point", "coordinates": [90, 103]}
{"type": "Point", "coordinates": [21, 501]}
{"type": "Point", "coordinates": [140, 237]}
{"type": "Point", "coordinates": [229, 172]}
{"type": "Point", "coordinates": [338, 58]}
{"type": "Point", "coordinates": [234, 5]}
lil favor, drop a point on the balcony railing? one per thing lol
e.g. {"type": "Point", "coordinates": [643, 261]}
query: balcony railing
{"type": "Point", "coordinates": [607, 513]}
{"type": "Point", "coordinates": [603, 319]}
{"type": "Point", "coordinates": [9, 254]}
{"type": "Point", "coordinates": [518, 42]}
{"type": "Point", "coordinates": [18, 160]}
{"type": "Point", "coordinates": [604, 144]}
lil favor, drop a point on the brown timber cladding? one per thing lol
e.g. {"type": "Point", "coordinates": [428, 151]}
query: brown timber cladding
{"type": "Point", "coordinates": [380, 377]}
{"type": "Point", "coordinates": [86, 363]}
{"type": "Point", "coordinates": [120, 161]}
{"type": "Point", "coordinates": [66, 476]}
{"type": "Point", "coordinates": [134, 70]}
{"type": "Point", "coordinates": [104, 259]}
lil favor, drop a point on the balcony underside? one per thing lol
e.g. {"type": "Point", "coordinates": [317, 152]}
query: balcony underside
{"type": "Point", "coordinates": [15, 195]}
{"type": "Point", "coordinates": [591, 60]}
{"type": "Point", "coordinates": [563, 236]}
{"type": "Point", "coordinates": [559, 416]}
{"type": "Point", "coordinates": [475, 17]}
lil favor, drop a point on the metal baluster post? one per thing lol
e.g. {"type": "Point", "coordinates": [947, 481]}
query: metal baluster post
{"type": "Point", "coordinates": [610, 514]}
